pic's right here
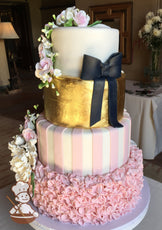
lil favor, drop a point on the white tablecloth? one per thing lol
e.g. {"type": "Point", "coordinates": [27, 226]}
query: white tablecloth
{"type": "Point", "coordinates": [146, 115]}
{"type": "Point", "coordinates": [152, 220]}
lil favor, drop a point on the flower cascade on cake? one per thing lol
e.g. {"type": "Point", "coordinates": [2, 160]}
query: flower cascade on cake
{"type": "Point", "coordinates": [45, 69]}
{"type": "Point", "coordinates": [91, 199]}
{"type": "Point", "coordinates": [23, 149]}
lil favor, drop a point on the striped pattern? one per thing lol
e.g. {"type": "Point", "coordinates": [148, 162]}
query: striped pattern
{"type": "Point", "coordinates": [83, 151]}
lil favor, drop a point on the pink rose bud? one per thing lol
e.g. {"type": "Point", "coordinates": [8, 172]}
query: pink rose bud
{"type": "Point", "coordinates": [41, 51]}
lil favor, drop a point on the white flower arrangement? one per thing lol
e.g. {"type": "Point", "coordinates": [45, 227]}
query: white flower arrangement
{"type": "Point", "coordinates": [45, 69]}
{"type": "Point", "coordinates": [151, 32]}
{"type": "Point", "coordinates": [23, 149]}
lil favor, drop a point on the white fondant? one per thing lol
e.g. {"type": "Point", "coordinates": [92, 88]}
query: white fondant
{"type": "Point", "coordinates": [67, 150]}
{"type": "Point", "coordinates": [72, 43]}
{"type": "Point", "coordinates": [87, 151]}
{"type": "Point", "coordinates": [121, 147]}
{"type": "Point", "coordinates": [51, 158]}
{"type": "Point", "coordinates": [106, 150]}
{"type": "Point", "coordinates": [40, 142]}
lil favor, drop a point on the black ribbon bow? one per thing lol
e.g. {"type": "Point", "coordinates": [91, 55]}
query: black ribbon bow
{"type": "Point", "coordinates": [94, 69]}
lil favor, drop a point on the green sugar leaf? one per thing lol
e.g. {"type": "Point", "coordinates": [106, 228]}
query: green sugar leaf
{"type": "Point", "coordinates": [95, 23]}
{"type": "Point", "coordinates": [36, 106]}
{"type": "Point", "coordinates": [42, 85]}
{"type": "Point", "coordinates": [69, 23]}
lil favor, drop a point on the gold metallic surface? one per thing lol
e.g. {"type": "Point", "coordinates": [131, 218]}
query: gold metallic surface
{"type": "Point", "coordinates": [73, 105]}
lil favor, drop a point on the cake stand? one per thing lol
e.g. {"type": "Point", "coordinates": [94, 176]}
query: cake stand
{"type": "Point", "coordinates": [126, 222]}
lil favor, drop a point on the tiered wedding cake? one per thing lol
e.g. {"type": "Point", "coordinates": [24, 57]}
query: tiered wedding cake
{"type": "Point", "coordinates": [87, 171]}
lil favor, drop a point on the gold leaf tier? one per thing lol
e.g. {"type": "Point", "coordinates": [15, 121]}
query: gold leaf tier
{"type": "Point", "coordinates": [72, 107]}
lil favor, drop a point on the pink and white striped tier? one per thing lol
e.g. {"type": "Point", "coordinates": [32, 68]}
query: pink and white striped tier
{"type": "Point", "coordinates": [83, 151]}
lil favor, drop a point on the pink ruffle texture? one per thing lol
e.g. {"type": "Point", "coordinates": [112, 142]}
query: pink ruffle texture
{"type": "Point", "coordinates": [91, 199]}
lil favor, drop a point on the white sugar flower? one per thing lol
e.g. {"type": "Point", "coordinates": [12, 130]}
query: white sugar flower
{"type": "Point", "coordinates": [24, 152]}
{"type": "Point", "coordinates": [19, 140]}
{"type": "Point", "coordinates": [46, 43]}
{"type": "Point", "coordinates": [15, 149]}
{"type": "Point", "coordinates": [69, 12]}
{"type": "Point", "coordinates": [23, 164]}
{"type": "Point", "coordinates": [57, 72]}
{"type": "Point", "coordinates": [61, 18]}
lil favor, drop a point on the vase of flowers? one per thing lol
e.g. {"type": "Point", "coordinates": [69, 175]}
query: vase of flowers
{"type": "Point", "coordinates": [151, 34]}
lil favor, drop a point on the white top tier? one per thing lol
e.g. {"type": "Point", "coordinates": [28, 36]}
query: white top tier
{"type": "Point", "coordinates": [72, 43]}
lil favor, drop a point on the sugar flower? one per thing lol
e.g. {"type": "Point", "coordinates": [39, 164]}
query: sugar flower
{"type": "Point", "coordinates": [57, 72]}
{"type": "Point", "coordinates": [61, 18]}
{"type": "Point", "coordinates": [23, 149]}
{"type": "Point", "coordinates": [72, 17]}
{"type": "Point", "coordinates": [24, 160]}
{"type": "Point", "coordinates": [28, 123]}
{"type": "Point", "coordinates": [81, 18]}
{"type": "Point", "coordinates": [46, 43]}
{"type": "Point", "coordinates": [44, 70]}
{"type": "Point", "coordinates": [19, 140]}
{"type": "Point", "coordinates": [29, 134]}
{"type": "Point", "coordinates": [70, 11]}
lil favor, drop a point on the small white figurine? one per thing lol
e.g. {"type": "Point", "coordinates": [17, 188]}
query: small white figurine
{"type": "Point", "coordinates": [22, 197]}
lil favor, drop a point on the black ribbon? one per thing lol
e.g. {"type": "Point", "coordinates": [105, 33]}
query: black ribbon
{"type": "Point", "coordinates": [94, 69]}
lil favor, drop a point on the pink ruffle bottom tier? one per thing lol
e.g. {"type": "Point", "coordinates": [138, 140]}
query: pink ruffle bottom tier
{"type": "Point", "coordinates": [93, 199]}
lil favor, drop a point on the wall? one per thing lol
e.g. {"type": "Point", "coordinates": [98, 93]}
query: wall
{"type": "Point", "coordinates": [36, 21]}
{"type": "Point", "coordinates": [140, 54]}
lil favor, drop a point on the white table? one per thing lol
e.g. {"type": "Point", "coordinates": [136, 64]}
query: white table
{"type": "Point", "coordinates": [146, 115]}
{"type": "Point", "coordinates": [152, 220]}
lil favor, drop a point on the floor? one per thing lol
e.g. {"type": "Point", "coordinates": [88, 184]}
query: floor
{"type": "Point", "coordinates": [13, 106]}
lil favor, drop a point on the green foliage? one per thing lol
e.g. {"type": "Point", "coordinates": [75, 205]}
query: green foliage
{"type": "Point", "coordinates": [69, 23]}
{"type": "Point", "coordinates": [43, 84]}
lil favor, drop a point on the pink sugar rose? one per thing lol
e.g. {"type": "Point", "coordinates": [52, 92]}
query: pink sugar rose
{"type": "Point", "coordinates": [29, 134]}
{"type": "Point", "coordinates": [45, 65]}
{"type": "Point", "coordinates": [81, 18]}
